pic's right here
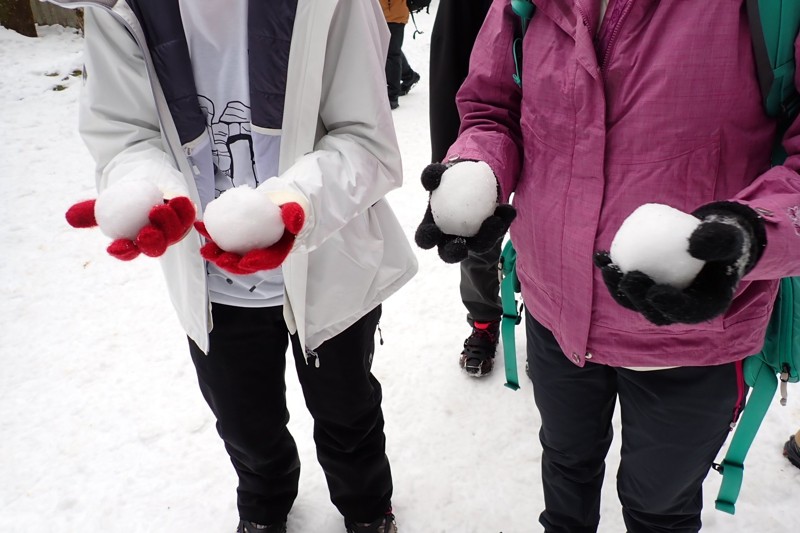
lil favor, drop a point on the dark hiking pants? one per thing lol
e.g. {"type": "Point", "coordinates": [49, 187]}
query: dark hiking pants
{"type": "Point", "coordinates": [406, 72]}
{"type": "Point", "coordinates": [396, 62]}
{"type": "Point", "coordinates": [242, 379]}
{"type": "Point", "coordinates": [673, 423]}
{"type": "Point", "coordinates": [480, 286]}
{"type": "Point", "coordinates": [454, 31]}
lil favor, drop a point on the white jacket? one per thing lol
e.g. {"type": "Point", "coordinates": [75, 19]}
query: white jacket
{"type": "Point", "coordinates": [339, 157]}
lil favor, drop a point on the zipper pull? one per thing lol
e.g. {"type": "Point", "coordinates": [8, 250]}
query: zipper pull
{"type": "Point", "coordinates": [380, 333]}
{"type": "Point", "coordinates": [784, 380]}
{"type": "Point", "coordinates": [500, 270]}
{"type": "Point", "coordinates": [311, 354]}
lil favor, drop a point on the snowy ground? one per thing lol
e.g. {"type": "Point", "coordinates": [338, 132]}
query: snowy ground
{"type": "Point", "coordinates": [102, 427]}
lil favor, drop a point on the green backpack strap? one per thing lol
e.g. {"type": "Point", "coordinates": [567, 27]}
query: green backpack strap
{"type": "Point", "coordinates": [507, 268]}
{"type": "Point", "coordinates": [764, 384]}
{"type": "Point", "coordinates": [779, 360]}
{"type": "Point", "coordinates": [524, 9]}
{"type": "Point", "coordinates": [774, 25]}
{"type": "Point", "coordinates": [512, 315]}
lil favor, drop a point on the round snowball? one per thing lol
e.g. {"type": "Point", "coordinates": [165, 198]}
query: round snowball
{"type": "Point", "coordinates": [465, 197]}
{"type": "Point", "coordinates": [243, 219]}
{"type": "Point", "coordinates": [122, 210]}
{"type": "Point", "coordinates": [654, 239]}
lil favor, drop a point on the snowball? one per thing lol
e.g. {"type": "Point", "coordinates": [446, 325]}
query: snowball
{"type": "Point", "coordinates": [122, 209]}
{"type": "Point", "coordinates": [465, 197]}
{"type": "Point", "coordinates": [654, 239]}
{"type": "Point", "coordinates": [243, 219]}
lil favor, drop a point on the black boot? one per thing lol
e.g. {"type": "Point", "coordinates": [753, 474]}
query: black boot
{"type": "Point", "coordinates": [384, 524]}
{"type": "Point", "coordinates": [251, 527]}
{"type": "Point", "coordinates": [477, 358]}
{"type": "Point", "coordinates": [406, 85]}
{"type": "Point", "coordinates": [791, 450]}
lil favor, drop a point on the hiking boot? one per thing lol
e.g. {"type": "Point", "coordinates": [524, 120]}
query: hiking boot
{"type": "Point", "coordinates": [477, 359]}
{"type": "Point", "coordinates": [405, 87]}
{"type": "Point", "coordinates": [251, 527]}
{"type": "Point", "coordinates": [384, 524]}
{"type": "Point", "coordinates": [791, 450]}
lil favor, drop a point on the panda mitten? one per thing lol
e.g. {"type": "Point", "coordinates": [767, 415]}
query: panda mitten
{"type": "Point", "coordinates": [248, 230]}
{"type": "Point", "coordinates": [463, 213]}
{"type": "Point", "coordinates": [728, 242]}
{"type": "Point", "coordinates": [137, 216]}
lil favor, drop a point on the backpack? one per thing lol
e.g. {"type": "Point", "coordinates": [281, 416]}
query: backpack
{"type": "Point", "coordinates": [778, 360]}
{"type": "Point", "coordinates": [778, 24]}
{"type": "Point", "coordinates": [774, 26]}
{"type": "Point", "coordinates": [415, 6]}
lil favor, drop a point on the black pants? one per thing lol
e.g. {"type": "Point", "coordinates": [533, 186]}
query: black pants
{"type": "Point", "coordinates": [397, 68]}
{"type": "Point", "coordinates": [454, 31]}
{"type": "Point", "coordinates": [242, 379]}
{"type": "Point", "coordinates": [673, 422]}
{"type": "Point", "coordinates": [480, 286]}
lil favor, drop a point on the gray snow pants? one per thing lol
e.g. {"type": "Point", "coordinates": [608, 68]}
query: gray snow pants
{"type": "Point", "coordinates": [480, 286]}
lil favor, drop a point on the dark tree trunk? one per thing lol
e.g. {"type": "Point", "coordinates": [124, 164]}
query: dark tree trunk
{"type": "Point", "coordinates": [17, 15]}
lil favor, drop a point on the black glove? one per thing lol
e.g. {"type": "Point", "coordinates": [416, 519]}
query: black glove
{"type": "Point", "coordinates": [730, 239]}
{"type": "Point", "coordinates": [454, 248]}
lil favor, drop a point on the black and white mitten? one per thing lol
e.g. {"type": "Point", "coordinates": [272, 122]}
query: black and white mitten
{"type": "Point", "coordinates": [730, 240]}
{"type": "Point", "coordinates": [463, 213]}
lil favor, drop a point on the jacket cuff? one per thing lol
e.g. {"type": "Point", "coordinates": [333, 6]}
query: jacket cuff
{"type": "Point", "coordinates": [747, 218]}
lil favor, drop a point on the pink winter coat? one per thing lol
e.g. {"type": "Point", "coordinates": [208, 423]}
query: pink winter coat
{"type": "Point", "coordinates": [667, 110]}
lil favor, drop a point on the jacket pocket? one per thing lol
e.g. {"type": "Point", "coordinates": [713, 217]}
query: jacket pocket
{"type": "Point", "coordinates": [684, 179]}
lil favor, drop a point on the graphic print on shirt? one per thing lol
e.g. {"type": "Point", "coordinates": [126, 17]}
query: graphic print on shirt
{"type": "Point", "coordinates": [231, 144]}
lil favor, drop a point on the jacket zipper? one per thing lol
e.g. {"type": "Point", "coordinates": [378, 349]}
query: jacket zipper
{"type": "Point", "coordinates": [584, 18]}
{"type": "Point", "coordinates": [614, 32]}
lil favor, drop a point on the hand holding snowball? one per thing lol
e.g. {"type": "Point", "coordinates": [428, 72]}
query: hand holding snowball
{"type": "Point", "coordinates": [673, 267]}
{"type": "Point", "coordinates": [247, 232]}
{"type": "Point", "coordinates": [463, 212]}
{"type": "Point", "coordinates": [137, 217]}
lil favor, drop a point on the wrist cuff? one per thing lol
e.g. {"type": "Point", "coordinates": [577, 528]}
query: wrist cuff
{"type": "Point", "coordinates": [749, 220]}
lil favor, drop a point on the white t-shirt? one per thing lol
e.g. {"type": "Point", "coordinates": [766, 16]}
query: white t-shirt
{"type": "Point", "coordinates": [217, 36]}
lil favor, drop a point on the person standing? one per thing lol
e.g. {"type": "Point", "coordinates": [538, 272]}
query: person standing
{"type": "Point", "coordinates": [454, 31]}
{"type": "Point", "coordinates": [200, 101]}
{"type": "Point", "coordinates": [590, 119]}
{"type": "Point", "coordinates": [400, 77]}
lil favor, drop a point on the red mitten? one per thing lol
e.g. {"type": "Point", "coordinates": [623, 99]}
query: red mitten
{"type": "Point", "coordinates": [138, 226]}
{"type": "Point", "coordinates": [267, 258]}
{"type": "Point", "coordinates": [81, 215]}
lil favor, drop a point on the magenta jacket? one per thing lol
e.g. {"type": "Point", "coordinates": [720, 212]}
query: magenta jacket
{"type": "Point", "coordinates": [663, 106]}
